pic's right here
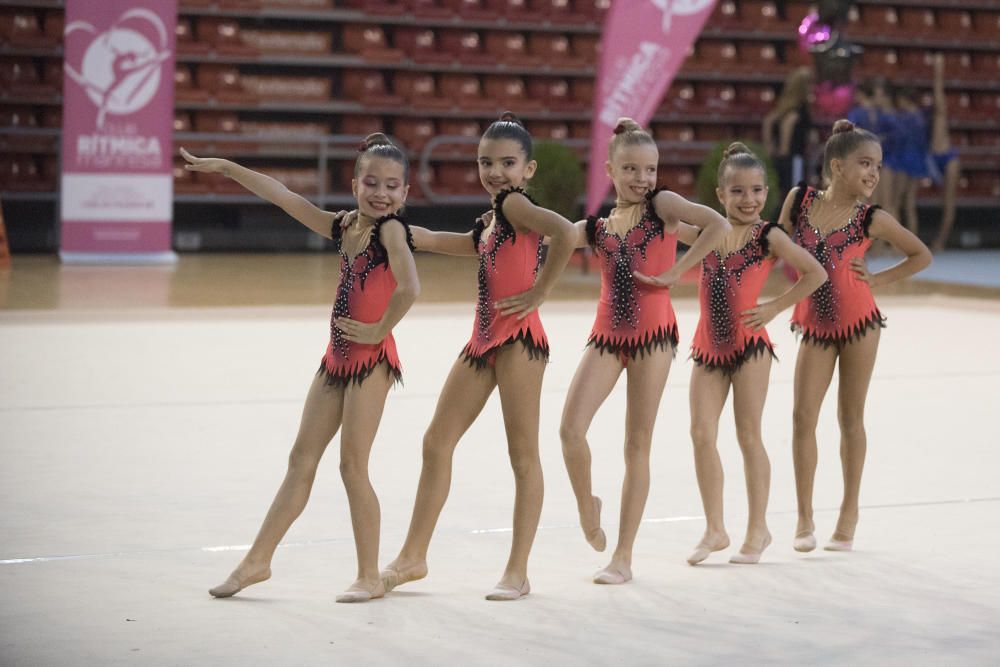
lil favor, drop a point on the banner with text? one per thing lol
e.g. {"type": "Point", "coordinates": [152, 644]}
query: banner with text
{"type": "Point", "coordinates": [117, 143]}
{"type": "Point", "coordinates": [643, 44]}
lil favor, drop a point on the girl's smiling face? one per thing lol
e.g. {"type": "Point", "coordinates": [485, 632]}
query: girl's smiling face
{"type": "Point", "coordinates": [742, 192]}
{"type": "Point", "coordinates": [632, 169]}
{"type": "Point", "coordinates": [503, 164]}
{"type": "Point", "coordinates": [380, 187]}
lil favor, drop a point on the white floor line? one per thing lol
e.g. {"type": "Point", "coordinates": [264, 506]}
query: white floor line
{"type": "Point", "coordinates": [475, 531]}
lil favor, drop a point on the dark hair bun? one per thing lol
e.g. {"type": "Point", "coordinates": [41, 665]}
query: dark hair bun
{"type": "Point", "coordinates": [509, 117]}
{"type": "Point", "coordinates": [843, 125]}
{"type": "Point", "coordinates": [376, 139]}
{"type": "Point", "coordinates": [626, 124]}
{"type": "Point", "coordinates": [736, 148]}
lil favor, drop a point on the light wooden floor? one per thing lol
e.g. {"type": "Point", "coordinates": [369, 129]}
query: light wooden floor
{"type": "Point", "coordinates": [141, 445]}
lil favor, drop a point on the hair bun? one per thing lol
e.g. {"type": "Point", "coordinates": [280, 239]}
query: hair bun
{"type": "Point", "coordinates": [375, 139]}
{"type": "Point", "coordinates": [843, 125]}
{"type": "Point", "coordinates": [736, 148]}
{"type": "Point", "coordinates": [626, 124]}
{"type": "Point", "coordinates": [510, 117]}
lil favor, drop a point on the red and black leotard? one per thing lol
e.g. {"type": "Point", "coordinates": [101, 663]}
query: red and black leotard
{"type": "Point", "coordinates": [843, 308]}
{"type": "Point", "coordinates": [730, 285]}
{"type": "Point", "coordinates": [633, 318]}
{"type": "Point", "coordinates": [509, 261]}
{"type": "Point", "coordinates": [366, 286]}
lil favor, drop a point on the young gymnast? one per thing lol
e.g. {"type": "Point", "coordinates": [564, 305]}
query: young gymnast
{"type": "Point", "coordinates": [946, 168]}
{"type": "Point", "coordinates": [839, 323]}
{"type": "Point", "coordinates": [635, 329]}
{"type": "Point", "coordinates": [508, 351]}
{"type": "Point", "coordinates": [731, 347]}
{"type": "Point", "coordinates": [378, 284]}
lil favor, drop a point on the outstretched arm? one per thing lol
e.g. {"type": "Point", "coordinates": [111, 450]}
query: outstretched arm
{"type": "Point", "coordinates": [445, 243]}
{"type": "Point", "coordinates": [267, 189]}
{"type": "Point", "coordinates": [404, 270]}
{"type": "Point", "coordinates": [887, 228]}
{"type": "Point", "coordinates": [672, 209]}
{"type": "Point", "coordinates": [525, 215]}
{"type": "Point", "coordinates": [811, 276]}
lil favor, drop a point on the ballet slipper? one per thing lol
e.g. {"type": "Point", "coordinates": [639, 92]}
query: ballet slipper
{"type": "Point", "coordinates": [804, 542]}
{"type": "Point", "coordinates": [232, 585]}
{"type": "Point", "coordinates": [358, 593]}
{"type": "Point", "coordinates": [505, 593]}
{"type": "Point", "coordinates": [392, 577]}
{"type": "Point", "coordinates": [703, 551]}
{"type": "Point", "coordinates": [613, 575]}
{"type": "Point", "coordinates": [596, 537]}
{"type": "Point", "coordinates": [839, 545]}
{"type": "Point", "coordinates": [752, 558]}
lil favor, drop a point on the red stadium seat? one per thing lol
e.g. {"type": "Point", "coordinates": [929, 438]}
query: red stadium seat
{"type": "Point", "coordinates": [713, 132]}
{"type": "Point", "coordinates": [987, 25]}
{"type": "Point", "coordinates": [582, 93]}
{"type": "Point", "coordinates": [516, 11]}
{"type": "Point", "coordinates": [876, 20]}
{"type": "Point", "coordinates": [19, 77]}
{"type": "Point", "coordinates": [54, 26]}
{"type": "Point", "coordinates": [182, 121]}
{"type": "Point", "coordinates": [753, 98]}
{"type": "Point", "coordinates": [52, 117]}
{"type": "Point", "coordinates": [796, 57]}
{"type": "Point", "coordinates": [21, 27]}
{"type": "Point", "coordinates": [985, 65]}
{"type": "Point", "coordinates": [758, 58]}
{"type": "Point", "coordinates": [556, 50]}
{"type": "Point", "coordinates": [549, 130]}
{"type": "Point", "coordinates": [414, 133]}
{"type": "Point", "coordinates": [796, 11]}
{"type": "Point", "coordinates": [458, 178]}
{"type": "Point", "coordinates": [716, 97]}
{"type": "Point", "coordinates": [511, 48]}
{"type": "Point", "coordinates": [430, 9]}
{"type": "Point", "coordinates": [224, 36]}
{"type": "Point", "coordinates": [679, 98]}
{"type": "Point", "coordinates": [917, 21]}
{"type": "Point", "coordinates": [713, 55]}
{"type": "Point", "coordinates": [959, 104]}
{"type": "Point", "coordinates": [915, 62]}
{"type": "Point", "coordinates": [673, 132]}
{"type": "Point", "coordinates": [958, 65]}
{"type": "Point", "coordinates": [223, 82]}
{"type": "Point", "coordinates": [420, 90]}
{"type": "Point", "coordinates": [466, 46]}
{"type": "Point", "coordinates": [509, 92]}
{"type": "Point", "coordinates": [586, 49]}
{"type": "Point", "coordinates": [762, 15]}
{"type": "Point", "coordinates": [422, 45]}
{"type": "Point", "coordinates": [368, 87]}
{"type": "Point", "coordinates": [380, 7]}
{"type": "Point", "coordinates": [369, 42]}
{"type": "Point", "coordinates": [555, 94]}
{"type": "Point", "coordinates": [473, 10]}
{"type": "Point", "coordinates": [185, 88]}
{"type": "Point", "coordinates": [879, 61]}
{"type": "Point", "coordinates": [679, 179]}
{"type": "Point", "coordinates": [725, 15]}
{"type": "Point", "coordinates": [186, 40]}
{"type": "Point", "coordinates": [465, 90]}
{"type": "Point", "coordinates": [561, 12]}
{"type": "Point", "coordinates": [459, 127]}
{"type": "Point", "coordinates": [955, 23]}
{"type": "Point", "coordinates": [361, 125]}
{"type": "Point", "coordinates": [592, 10]}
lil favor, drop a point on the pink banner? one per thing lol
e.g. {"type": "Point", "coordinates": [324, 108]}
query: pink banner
{"type": "Point", "coordinates": [117, 138]}
{"type": "Point", "coordinates": [643, 44]}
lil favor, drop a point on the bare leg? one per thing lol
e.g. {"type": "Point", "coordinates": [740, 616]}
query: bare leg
{"type": "Point", "coordinates": [594, 379]}
{"type": "Point", "coordinates": [321, 418]}
{"type": "Point", "coordinates": [749, 392]}
{"type": "Point", "coordinates": [857, 361]}
{"type": "Point", "coordinates": [464, 394]}
{"type": "Point", "coordinates": [363, 405]}
{"type": "Point", "coordinates": [519, 379]}
{"type": "Point", "coordinates": [646, 377]}
{"type": "Point", "coordinates": [813, 372]}
{"type": "Point", "coordinates": [709, 390]}
{"type": "Point", "coordinates": [951, 176]}
{"type": "Point", "coordinates": [910, 201]}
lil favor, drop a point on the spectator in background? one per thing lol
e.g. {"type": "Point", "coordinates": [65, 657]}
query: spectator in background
{"type": "Point", "coordinates": [944, 165]}
{"type": "Point", "coordinates": [910, 155]}
{"type": "Point", "coordinates": [787, 127]}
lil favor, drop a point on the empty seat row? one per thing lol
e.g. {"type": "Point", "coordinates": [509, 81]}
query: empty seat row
{"type": "Point", "coordinates": [24, 77]}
